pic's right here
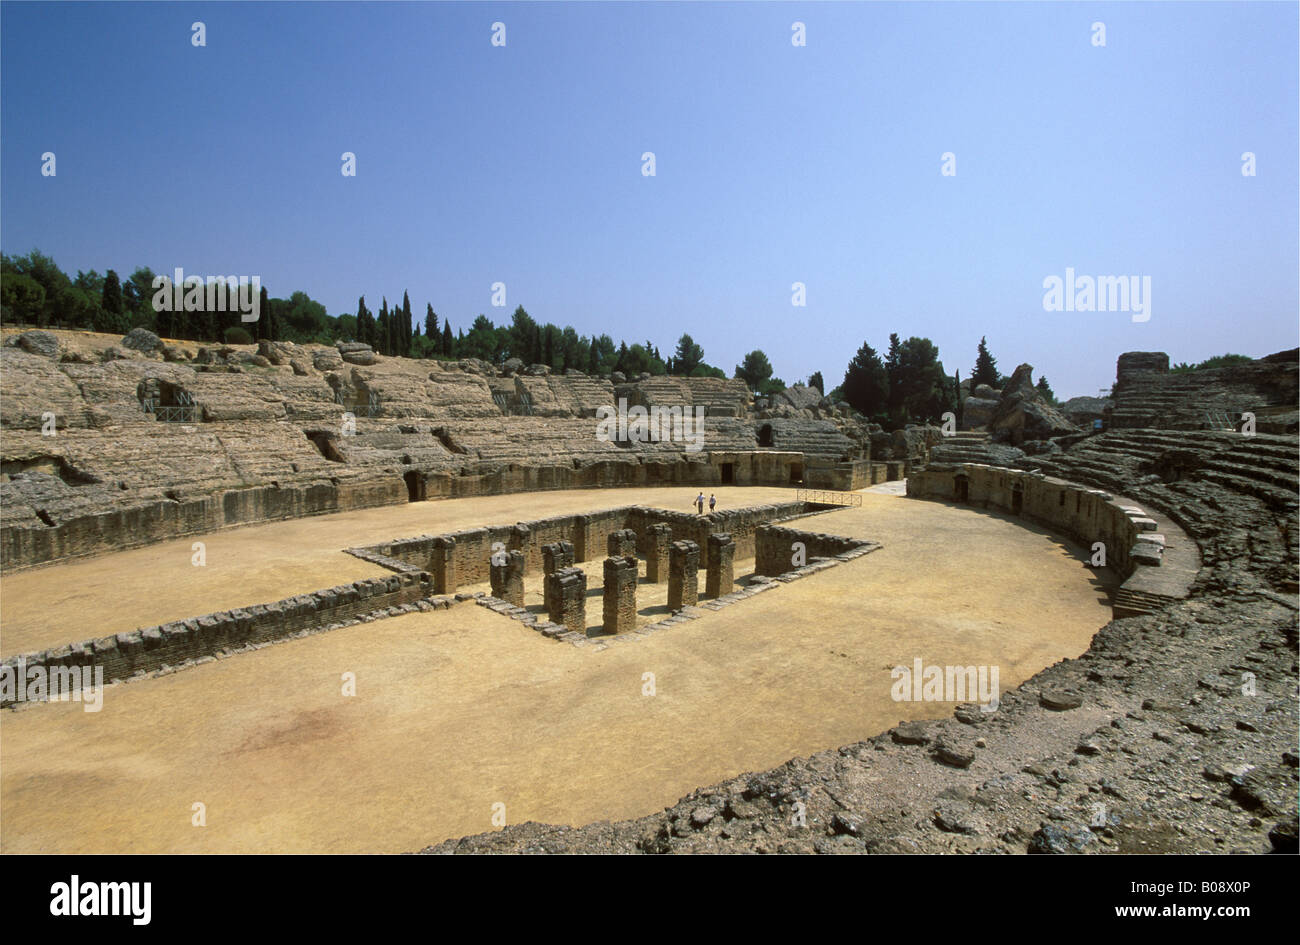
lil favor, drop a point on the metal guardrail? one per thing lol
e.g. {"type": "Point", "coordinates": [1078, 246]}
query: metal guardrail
{"type": "Point", "coordinates": [827, 497]}
{"type": "Point", "coordinates": [1218, 420]}
{"type": "Point", "coordinates": [187, 411]}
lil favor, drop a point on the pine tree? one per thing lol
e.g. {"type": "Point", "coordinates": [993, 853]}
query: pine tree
{"type": "Point", "coordinates": [1045, 389]}
{"type": "Point", "coordinates": [866, 384]}
{"type": "Point", "coordinates": [112, 295]}
{"type": "Point", "coordinates": [986, 368]}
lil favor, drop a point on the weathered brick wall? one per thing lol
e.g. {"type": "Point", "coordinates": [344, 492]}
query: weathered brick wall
{"type": "Point", "coordinates": [690, 526]}
{"type": "Point", "coordinates": [774, 551]}
{"type": "Point", "coordinates": [143, 523]}
{"type": "Point", "coordinates": [152, 648]}
{"type": "Point", "coordinates": [462, 558]}
{"type": "Point", "coordinates": [1088, 515]}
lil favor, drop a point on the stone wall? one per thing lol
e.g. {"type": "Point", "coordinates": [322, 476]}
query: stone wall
{"type": "Point", "coordinates": [774, 551]}
{"type": "Point", "coordinates": [150, 649]}
{"type": "Point", "coordinates": [465, 555]}
{"type": "Point", "coordinates": [1087, 515]}
{"type": "Point", "coordinates": [819, 473]}
{"type": "Point", "coordinates": [740, 523]}
{"type": "Point", "coordinates": [145, 522]}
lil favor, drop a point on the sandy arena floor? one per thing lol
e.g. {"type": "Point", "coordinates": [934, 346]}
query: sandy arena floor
{"type": "Point", "coordinates": [459, 710]}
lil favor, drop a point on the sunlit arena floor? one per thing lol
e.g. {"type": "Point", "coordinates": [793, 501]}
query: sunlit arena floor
{"type": "Point", "coordinates": [459, 710]}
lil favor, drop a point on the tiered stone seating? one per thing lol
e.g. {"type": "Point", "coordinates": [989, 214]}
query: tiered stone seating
{"type": "Point", "coordinates": [1147, 396]}
{"type": "Point", "coordinates": [816, 438]}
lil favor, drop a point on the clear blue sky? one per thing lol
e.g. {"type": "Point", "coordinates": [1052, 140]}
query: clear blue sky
{"type": "Point", "coordinates": [775, 164]}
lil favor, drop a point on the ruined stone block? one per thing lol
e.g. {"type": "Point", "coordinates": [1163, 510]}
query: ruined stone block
{"type": "Point", "coordinates": [557, 556]}
{"type": "Point", "coordinates": [442, 565]}
{"type": "Point", "coordinates": [683, 575]}
{"type": "Point", "coordinates": [622, 543]}
{"type": "Point", "coordinates": [508, 578]}
{"type": "Point", "coordinates": [1147, 553]}
{"type": "Point", "coordinates": [566, 598]}
{"type": "Point", "coordinates": [619, 611]}
{"type": "Point", "coordinates": [656, 558]}
{"type": "Point", "coordinates": [520, 538]}
{"type": "Point", "coordinates": [719, 576]}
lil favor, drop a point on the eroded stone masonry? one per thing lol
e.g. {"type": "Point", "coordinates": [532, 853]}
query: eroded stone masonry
{"type": "Point", "coordinates": [162, 440]}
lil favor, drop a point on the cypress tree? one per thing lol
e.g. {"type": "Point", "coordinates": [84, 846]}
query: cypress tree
{"type": "Point", "coordinates": [446, 338]}
{"type": "Point", "coordinates": [407, 333]}
{"type": "Point", "coordinates": [266, 321]}
{"type": "Point", "coordinates": [430, 323]}
{"type": "Point", "coordinates": [365, 323]}
{"type": "Point", "coordinates": [381, 327]}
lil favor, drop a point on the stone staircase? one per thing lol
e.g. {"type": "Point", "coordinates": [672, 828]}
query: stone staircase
{"type": "Point", "coordinates": [971, 446]}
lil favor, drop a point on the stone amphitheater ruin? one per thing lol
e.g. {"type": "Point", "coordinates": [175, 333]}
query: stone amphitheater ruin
{"type": "Point", "coordinates": [236, 534]}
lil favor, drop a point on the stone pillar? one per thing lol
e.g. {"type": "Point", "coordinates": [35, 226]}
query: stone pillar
{"type": "Point", "coordinates": [508, 578]}
{"type": "Point", "coordinates": [619, 614]}
{"type": "Point", "coordinates": [442, 565]}
{"type": "Point", "coordinates": [656, 558]}
{"type": "Point", "coordinates": [683, 575]}
{"type": "Point", "coordinates": [566, 598]}
{"type": "Point", "coordinates": [557, 556]}
{"type": "Point", "coordinates": [519, 539]}
{"type": "Point", "coordinates": [721, 554]}
{"type": "Point", "coordinates": [579, 531]}
{"type": "Point", "coordinates": [622, 543]}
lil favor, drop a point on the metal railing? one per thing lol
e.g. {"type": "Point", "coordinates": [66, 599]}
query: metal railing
{"type": "Point", "coordinates": [373, 407]}
{"type": "Point", "coordinates": [828, 497]}
{"type": "Point", "coordinates": [186, 411]}
{"type": "Point", "coordinates": [1218, 420]}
